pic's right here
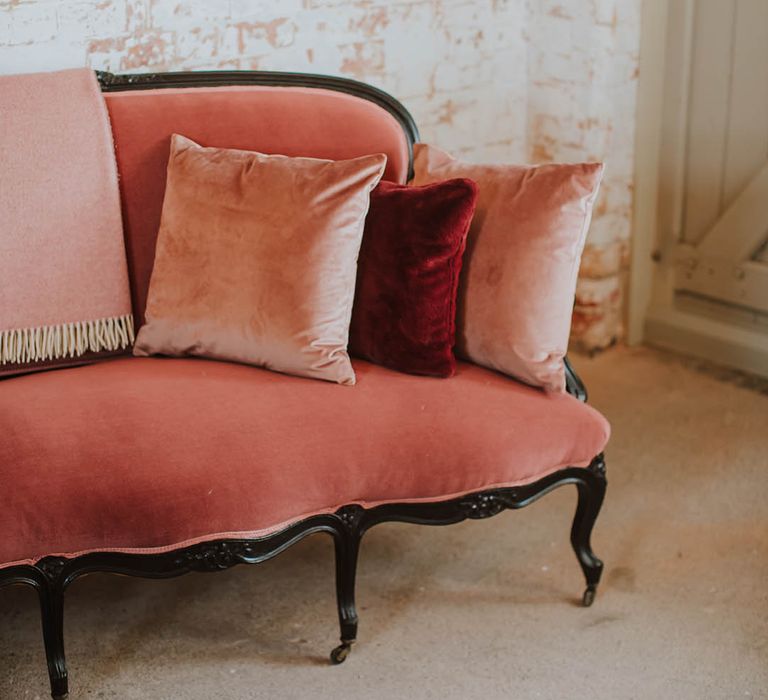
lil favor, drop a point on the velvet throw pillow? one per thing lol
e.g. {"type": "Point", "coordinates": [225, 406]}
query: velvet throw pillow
{"type": "Point", "coordinates": [408, 272]}
{"type": "Point", "coordinates": [256, 259]}
{"type": "Point", "coordinates": [523, 251]}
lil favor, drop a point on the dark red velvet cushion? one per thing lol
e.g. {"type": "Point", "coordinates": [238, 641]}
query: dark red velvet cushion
{"type": "Point", "coordinates": [404, 315]}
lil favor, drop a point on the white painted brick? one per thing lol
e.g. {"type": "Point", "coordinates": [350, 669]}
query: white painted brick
{"type": "Point", "coordinates": [31, 23]}
{"type": "Point", "coordinates": [197, 47]}
{"type": "Point", "coordinates": [30, 58]}
{"type": "Point", "coordinates": [183, 14]}
{"type": "Point", "coordinates": [137, 18]}
{"type": "Point", "coordinates": [80, 20]}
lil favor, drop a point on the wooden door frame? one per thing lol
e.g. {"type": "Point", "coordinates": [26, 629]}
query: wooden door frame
{"type": "Point", "coordinates": [660, 145]}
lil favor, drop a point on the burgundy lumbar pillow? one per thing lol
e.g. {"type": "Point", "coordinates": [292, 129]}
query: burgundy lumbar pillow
{"type": "Point", "coordinates": [404, 316]}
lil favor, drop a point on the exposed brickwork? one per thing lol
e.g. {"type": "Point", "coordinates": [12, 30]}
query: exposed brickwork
{"type": "Point", "coordinates": [502, 80]}
{"type": "Point", "coordinates": [581, 105]}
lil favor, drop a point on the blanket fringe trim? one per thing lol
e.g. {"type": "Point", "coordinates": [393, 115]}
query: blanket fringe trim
{"type": "Point", "coordinates": [21, 345]}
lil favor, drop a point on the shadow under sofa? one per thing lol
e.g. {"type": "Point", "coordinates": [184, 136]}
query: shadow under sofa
{"type": "Point", "coordinates": [157, 467]}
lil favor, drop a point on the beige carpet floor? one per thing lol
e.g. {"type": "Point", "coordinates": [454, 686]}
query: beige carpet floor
{"type": "Point", "coordinates": [483, 609]}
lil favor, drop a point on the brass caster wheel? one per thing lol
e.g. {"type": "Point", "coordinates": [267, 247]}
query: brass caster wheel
{"type": "Point", "coordinates": [340, 653]}
{"type": "Point", "coordinates": [589, 596]}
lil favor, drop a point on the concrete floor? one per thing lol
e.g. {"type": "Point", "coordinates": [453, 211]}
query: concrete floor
{"type": "Point", "coordinates": [483, 609]}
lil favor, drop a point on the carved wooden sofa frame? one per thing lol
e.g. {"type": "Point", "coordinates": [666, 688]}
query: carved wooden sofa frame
{"type": "Point", "coordinates": [51, 576]}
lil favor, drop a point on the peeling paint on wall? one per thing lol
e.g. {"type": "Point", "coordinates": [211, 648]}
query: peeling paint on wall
{"type": "Point", "coordinates": [496, 81]}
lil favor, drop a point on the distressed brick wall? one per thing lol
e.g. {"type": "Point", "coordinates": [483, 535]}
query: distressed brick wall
{"type": "Point", "coordinates": [489, 80]}
{"type": "Point", "coordinates": [582, 84]}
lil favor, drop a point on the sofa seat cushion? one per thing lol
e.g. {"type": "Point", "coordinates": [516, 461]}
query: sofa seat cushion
{"type": "Point", "coordinates": [156, 453]}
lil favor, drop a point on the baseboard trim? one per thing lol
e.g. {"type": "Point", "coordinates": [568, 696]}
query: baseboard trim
{"type": "Point", "coordinates": [708, 339]}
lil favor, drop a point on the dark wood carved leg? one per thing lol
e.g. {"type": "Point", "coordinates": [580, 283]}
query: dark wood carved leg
{"type": "Point", "coordinates": [347, 549]}
{"type": "Point", "coordinates": [52, 612]}
{"type": "Point", "coordinates": [591, 494]}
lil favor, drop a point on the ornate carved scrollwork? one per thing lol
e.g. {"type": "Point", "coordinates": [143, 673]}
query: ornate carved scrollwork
{"type": "Point", "coordinates": [214, 556]}
{"type": "Point", "coordinates": [477, 506]}
{"type": "Point", "coordinates": [107, 79]}
{"type": "Point", "coordinates": [351, 515]}
{"type": "Point", "coordinates": [597, 465]}
{"type": "Point", "coordinates": [52, 567]}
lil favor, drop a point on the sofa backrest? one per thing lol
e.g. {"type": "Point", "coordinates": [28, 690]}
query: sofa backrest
{"type": "Point", "coordinates": [290, 114]}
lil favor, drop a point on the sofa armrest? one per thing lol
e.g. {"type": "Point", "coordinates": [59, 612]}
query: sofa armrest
{"type": "Point", "coordinates": [573, 384]}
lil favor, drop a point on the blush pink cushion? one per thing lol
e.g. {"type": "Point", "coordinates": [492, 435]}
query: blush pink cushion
{"type": "Point", "coordinates": [257, 258]}
{"type": "Point", "coordinates": [64, 296]}
{"type": "Point", "coordinates": [291, 121]}
{"type": "Point", "coordinates": [522, 259]}
{"type": "Point", "coordinates": [147, 453]}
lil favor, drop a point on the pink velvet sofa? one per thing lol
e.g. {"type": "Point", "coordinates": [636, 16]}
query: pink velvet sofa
{"type": "Point", "coordinates": [158, 467]}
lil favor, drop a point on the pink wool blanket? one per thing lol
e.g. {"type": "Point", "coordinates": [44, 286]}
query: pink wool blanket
{"type": "Point", "coordinates": [64, 291]}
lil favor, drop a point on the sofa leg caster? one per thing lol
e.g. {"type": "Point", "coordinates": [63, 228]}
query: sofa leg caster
{"type": "Point", "coordinates": [59, 688]}
{"type": "Point", "coordinates": [340, 653]}
{"type": "Point", "coordinates": [589, 596]}
{"type": "Point", "coordinates": [347, 546]}
{"type": "Point", "coordinates": [591, 494]}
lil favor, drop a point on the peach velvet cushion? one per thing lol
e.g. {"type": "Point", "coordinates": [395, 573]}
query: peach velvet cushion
{"type": "Point", "coordinates": [257, 257]}
{"type": "Point", "coordinates": [293, 121]}
{"type": "Point", "coordinates": [523, 252]}
{"type": "Point", "coordinates": [150, 452]}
